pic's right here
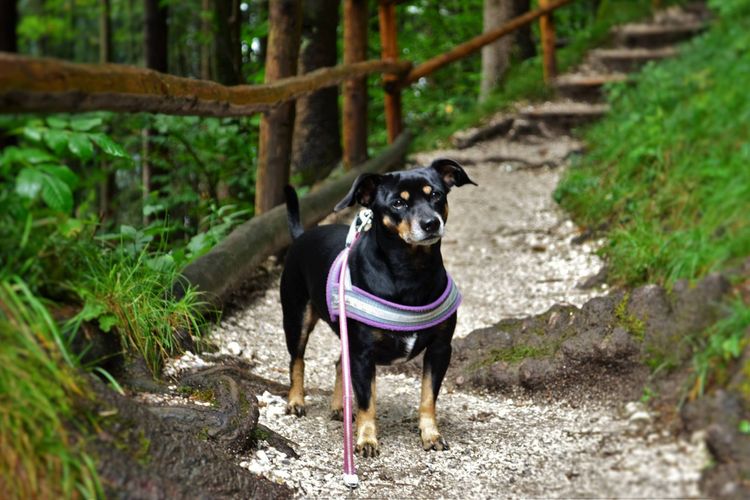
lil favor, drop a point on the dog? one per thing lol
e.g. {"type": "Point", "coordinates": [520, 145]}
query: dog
{"type": "Point", "coordinates": [397, 260]}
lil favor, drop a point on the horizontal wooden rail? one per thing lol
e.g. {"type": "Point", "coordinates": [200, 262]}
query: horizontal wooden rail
{"type": "Point", "coordinates": [476, 43]}
{"type": "Point", "coordinates": [230, 263]}
{"type": "Point", "coordinates": [50, 85]}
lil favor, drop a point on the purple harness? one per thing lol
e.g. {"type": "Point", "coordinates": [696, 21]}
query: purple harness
{"type": "Point", "coordinates": [374, 311]}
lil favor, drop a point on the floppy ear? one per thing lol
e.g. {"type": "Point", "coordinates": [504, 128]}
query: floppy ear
{"type": "Point", "coordinates": [451, 172]}
{"type": "Point", "coordinates": [362, 192]}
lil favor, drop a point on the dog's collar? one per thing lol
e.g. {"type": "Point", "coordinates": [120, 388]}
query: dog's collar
{"type": "Point", "coordinates": [380, 313]}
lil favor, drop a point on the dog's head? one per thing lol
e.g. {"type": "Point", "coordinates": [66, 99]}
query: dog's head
{"type": "Point", "coordinates": [411, 204]}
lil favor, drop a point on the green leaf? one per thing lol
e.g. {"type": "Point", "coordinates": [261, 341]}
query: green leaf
{"type": "Point", "coordinates": [32, 133]}
{"type": "Point", "coordinates": [199, 243]}
{"type": "Point", "coordinates": [85, 124]}
{"type": "Point", "coordinates": [57, 140]}
{"type": "Point", "coordinates": [29, 183]}
{"type": "Point", "coordinates": [744, 427]}
{"type": "Point", "coordinates": [80, 146]}
{"type": "Point", "coordinates": [57, 122]}
{"type": "Point", "coordinates": [27, 156]}
{"type": "Point", "coordinates": [91, 310]}
{"type": "Point", "coordinates": [107, 321]}
{"type": "Point", "coordinates": [152, 209]}
{"type": "Point", "coordinates": [56, 194]}
{"type": "Point", "coordinates": [109, 146]}
{"type": "Point", "coordinates": [61, 172]}
{"type": "Point", "coordinates": [71, 227]}
{"type": "Point", "coordinates": [128, 232]}
{"type": "Point", "coordinates": [161, 262]}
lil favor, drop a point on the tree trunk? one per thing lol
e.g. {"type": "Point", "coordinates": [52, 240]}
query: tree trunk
{"type": "Point", "coordinates": [156, 42]}
{"type": "Point", "coordinates": [107, 186]}
{"type": "Point", "coordinates": [8, 43]}
{"type": "Point", "coordinates": [524, 38]}
{"type": "Point", "coordinates": [206, 35]}
{"type": "Point", "coordinates": [156, 35]}
{"type": "Point", "coordinates": [389, 51]}
{"type": "Point", "coordinates": [105, 32]}
{"type": "Point", "coordinates": [8, 22]}
{"type": "Point", "coordinates": [228, 43]}
{"type": "Point", "coordinates": [355, 90]}
{"type": "Point", "coordinates": [277, 126]}
{"type": "Point", "coordinates": [316, 146]}
{"type": "Point", "coordinates": [496, 56]}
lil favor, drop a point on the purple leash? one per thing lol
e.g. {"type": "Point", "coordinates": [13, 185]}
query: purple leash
{"type": "Point", "coordinates": [361, 223]}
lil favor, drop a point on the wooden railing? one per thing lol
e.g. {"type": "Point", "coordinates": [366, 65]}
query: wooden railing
{"type": "Point", "coordinates": [49, 85]}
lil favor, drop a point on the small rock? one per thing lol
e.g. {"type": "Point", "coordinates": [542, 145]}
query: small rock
{"type": "Point", "coordinates": [639, 418]}
{"type": "Point", "coordinates": [234, 348]}
{"type": "Point", "coordinates": [256, 468]}
{"type": "Point", "coordinates": [634, 407]}
{"type": "Point", "coordinates": [262, 457]}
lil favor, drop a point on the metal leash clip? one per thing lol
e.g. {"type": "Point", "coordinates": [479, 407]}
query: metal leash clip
{"type": "Point", "coordinates": [361, 223]}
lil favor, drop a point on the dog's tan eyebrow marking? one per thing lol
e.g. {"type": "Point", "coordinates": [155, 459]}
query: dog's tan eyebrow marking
{"type": "Point", "coordinates": [405, 195]}
{"type": "Point", "coordinates": [427, 189]}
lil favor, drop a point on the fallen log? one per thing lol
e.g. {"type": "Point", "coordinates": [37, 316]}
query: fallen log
{"type": "Point", "coordinates": [223, 269]}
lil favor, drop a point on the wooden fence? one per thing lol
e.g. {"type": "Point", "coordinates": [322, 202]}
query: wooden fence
{"type": "Point", "coordinates": [49, 85]}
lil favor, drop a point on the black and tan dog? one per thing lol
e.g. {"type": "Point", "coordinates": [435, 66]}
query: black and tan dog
{"type": "Point", "coordinates": [398, 260]}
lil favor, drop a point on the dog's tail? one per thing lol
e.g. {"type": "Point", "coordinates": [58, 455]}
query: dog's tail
{"type": "Point", "coordinates": [292, 213]}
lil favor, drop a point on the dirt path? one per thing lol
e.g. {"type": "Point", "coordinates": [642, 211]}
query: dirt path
{"type": "Point", "coordinates": [509, 248]}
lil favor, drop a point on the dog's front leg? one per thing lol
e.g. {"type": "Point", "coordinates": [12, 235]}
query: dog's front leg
{"type": "Point", "coordinates": [363, 382]}
{"type": "Point", "coordinates": [436, 360]}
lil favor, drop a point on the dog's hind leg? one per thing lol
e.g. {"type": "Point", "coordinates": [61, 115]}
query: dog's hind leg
{"type": "Point", "coordinates": [436, 360]}
{"type": "Point", "coordinates": [337, 401]}
{"type": "Point", "coordinates": [298, 323]}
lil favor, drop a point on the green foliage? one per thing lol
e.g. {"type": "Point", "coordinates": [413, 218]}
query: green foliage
{"type": "Point", "coordinates": [39, 392]}
{"type": "Point", "coordinates": [719, 346]}
{"type": "Point", "coordinates": [666, 177]}
{"type": "Point", "coordinates": [667, 170]}
{"type": "Point", "coordinates": [633, 325]}
{"type": "Point", "coordinates": [130, 294]}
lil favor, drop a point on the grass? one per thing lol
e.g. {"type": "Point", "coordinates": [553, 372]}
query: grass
{"type": "Point", "coordinates": [666, 178]}
{"type": "Point", "coordinates": [667, 172]}
{"type": "Point", "coordinates": [718, 347]}
{"type": "Point", "coordinates": [131, 295]}
{"type": "Point", "coordinates": [39, 387]}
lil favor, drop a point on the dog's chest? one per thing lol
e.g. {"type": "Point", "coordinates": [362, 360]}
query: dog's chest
{"type": "Point", "coordinates": [393, 348]}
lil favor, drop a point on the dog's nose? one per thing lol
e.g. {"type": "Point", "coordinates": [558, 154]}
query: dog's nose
{"type": "Point", "coordinates": [430, 225]}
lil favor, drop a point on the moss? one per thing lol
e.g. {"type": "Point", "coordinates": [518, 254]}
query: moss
{"type": "Point", "coordinates": [517, 353]}
{"type": "Point", "coordinates": [244, 403]}
{"type": "Point", "coordinates": [634, 326]}
{"type": "Point", "coordinates": [142, 454]}
{"type": "Point", "coordinates": [260, 434]}
{"type": "Point", "coordinates": [205, 395]}
{"type": "Point", "coordinates": [744, 384]}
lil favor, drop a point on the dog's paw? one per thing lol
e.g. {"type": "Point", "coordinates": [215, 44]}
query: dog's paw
{"type": "Point", "coordinates": [368, 449]}
{"type": "Point", "coordinates": [295, 409]}
{"type": "Point", "coordinates": [434, 442]}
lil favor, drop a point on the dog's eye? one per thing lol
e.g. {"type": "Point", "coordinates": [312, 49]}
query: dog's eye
{"type": "Point", "coordinates": [436, 195]}
{"type": "Point", "coordinates": [398, 204]}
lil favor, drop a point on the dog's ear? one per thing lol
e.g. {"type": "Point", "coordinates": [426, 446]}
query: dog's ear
{"type": "Point", "coordinates": [451, 172]}
{"type": "Point", "coordinates": [363, 192]}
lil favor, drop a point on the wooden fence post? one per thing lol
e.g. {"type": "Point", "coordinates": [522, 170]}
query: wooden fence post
{"type": "Point", "coordinates": [547, 32]}
{"type": "Point", "coordinates": [355, 90]}
{"type": "Point", "coordinates": [277, 125]}
{"type": "Point", "coordinates": [389, 52]}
